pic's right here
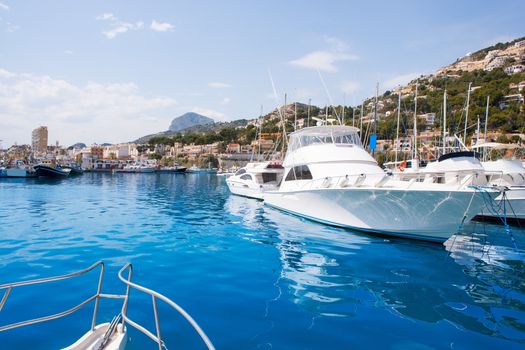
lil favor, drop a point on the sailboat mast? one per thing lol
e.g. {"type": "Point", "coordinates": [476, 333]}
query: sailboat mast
{"type": "Point", "coordinates": [260, 132]}
{"type": "Point", "coordinates": [486, 123]}
{"type": "Point", "coordinates": [344, 103]}
{"type": "Point", "coordinates": [477, 132]}
{"type": "Point", "coordinates": [361, 120]}
{"type": "Point", "coordinates": [375, 116]}
{"type": "Point", "coordinates": [295, 118]}
{"type": "Point", "coordinates": [375, 109]}
{"type": "Point", "coordinates": [466, 114]}
{"type": "Point", "coordinates": [415, 123]}
{"type": "Point", "coordinates": [445, 121]}
{"type": "Point", "coordinates": [309, 104]}
{"type": "Point", "coordinates": [396, 144]}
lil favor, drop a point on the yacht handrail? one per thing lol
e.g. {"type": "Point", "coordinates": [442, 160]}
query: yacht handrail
{"type": "Point", "coordinates": [416, 176]}
{"type": "Point", "coordinates": [9, 287]}
{"type": "Point", "coordinates": [308, 184]}
{"type": "Point", "coordinates": [154, 296]}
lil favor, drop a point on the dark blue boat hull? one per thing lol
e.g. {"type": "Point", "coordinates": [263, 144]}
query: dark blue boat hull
{"type": "Point", "coordinates": [47, 171]}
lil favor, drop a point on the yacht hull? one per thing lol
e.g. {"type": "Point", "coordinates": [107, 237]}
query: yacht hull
{"type": "Point", "coordinates": [516, 200]}
{"type": "Point", "coordinates": [241, 189]}
{"type": "Point", "coordinates": [429, 215]}
{"type": "Point", "coordinates": [515, 206]}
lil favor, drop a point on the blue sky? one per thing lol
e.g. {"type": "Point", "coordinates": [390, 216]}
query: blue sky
{"type": "Point", "coordinates": [111, 71]}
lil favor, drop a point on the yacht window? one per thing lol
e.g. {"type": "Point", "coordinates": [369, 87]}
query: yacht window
{"type": "Point", "coordinates": [246, 177]}
{"type": "Point", "coordinates": [300, 172]}
{"type": "Point", "coordinates": [269, 177]}
{"type": "Point", "coordinates": [240, 171]}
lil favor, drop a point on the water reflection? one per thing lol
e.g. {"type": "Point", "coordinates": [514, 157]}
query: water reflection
{"type": "Point", "coordinates": [337, 273]}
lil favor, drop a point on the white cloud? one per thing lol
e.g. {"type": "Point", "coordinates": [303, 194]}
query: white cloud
{"type": "Point", "coordinates": [350, 87]}
{"type": "Point", "coordinates": [4, 7]}
{"type": "Point", "coordinates": [10, 27]}
{"type": "Point", "coordinates": [161, 26]}
{"type": "Point", "coordinates": [95, 111]}
{"type": "Point", "coordinates": [400, 80]}
{"type": "Point", "coordinates": [325, 60]}
{"type": "Point", "coordinates": [68, 52]}
{"type": "Point", "coordinates": [218, 85]}
{"type": "Point", "coordinates": [118, 26]}
{"type": "Point", "coordinates": [322, 60]}
{"type": "Point", "coordinates": [210, 113]}
{"type": "Point", "coordinates": [225, 101]}
{"type": "Point", "coordinates": [106, 16]}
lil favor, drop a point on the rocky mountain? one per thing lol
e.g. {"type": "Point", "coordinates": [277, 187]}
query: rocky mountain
{"type": "Point", "coordinates": [501, 55]}
{"type": "Point", "coordinates": [182, 123]}
{"type": "Point", "coordinates": [77, 145]}
{"type": "Point", "coordinates": [188, 120]}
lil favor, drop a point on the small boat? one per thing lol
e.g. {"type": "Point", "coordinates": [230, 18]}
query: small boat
{"type": "Point", "coordinates": [256, 178]}
{"type": "Point", "coordinates": [107, 335]}
{"type": "Point", "coordinates": [172, 169]}
{"type": "Point", "coordinates": [75, 169]}
{"type": "Point", "coordinates": [17, 169]}
{"type": "Point", "coordinates": [137, 168]}
{"type": "Point", "coordinates": [48, 169]}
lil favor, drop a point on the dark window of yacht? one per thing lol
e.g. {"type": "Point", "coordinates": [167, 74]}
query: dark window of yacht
{"type": "Point", "coordinates": [240, 171]}
{"type": "Point", "coordinates": [300, 172]}
{"type": "Point", "coordinates": [246, 177]}
{"type": "Point", "coordinates": [269, 177]}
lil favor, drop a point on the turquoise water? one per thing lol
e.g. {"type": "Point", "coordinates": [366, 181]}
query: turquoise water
{"type": "Point", "coordinates": [252, 277]}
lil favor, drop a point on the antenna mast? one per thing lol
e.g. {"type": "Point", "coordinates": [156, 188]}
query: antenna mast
{"type": "Point", "coordinates": [415, 123]}
{"type": "Point", "coordinates": [445, 121]}
{"type": "Point", "coordinates": [398, 117]}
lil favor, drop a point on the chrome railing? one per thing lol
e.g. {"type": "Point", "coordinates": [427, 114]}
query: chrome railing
{"type": "Point", "coordinates": [8, 287]}
{"type": "Point", "coordinates": [154, 296]}
{"type": "Point", "coordinates": [338, 181]}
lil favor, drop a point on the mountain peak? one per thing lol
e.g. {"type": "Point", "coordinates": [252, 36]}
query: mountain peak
{"type": "Point", "coordinates": [188, 120]}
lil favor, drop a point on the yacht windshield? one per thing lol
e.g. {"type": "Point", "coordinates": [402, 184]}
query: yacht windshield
{"type": "Point", "coordinates": [342, 136]}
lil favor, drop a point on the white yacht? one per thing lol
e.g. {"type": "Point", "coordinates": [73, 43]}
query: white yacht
{"type": "Point", "coordinates": [330, 178]}
{"type": "Point", "coordinates": [511, 174]}
{"type": "Point", "coordinates": [137, 168]}
{"type": "Point", "coordinates": [256, 178]}
{"type": "Point", "coordinates": [460, 169]}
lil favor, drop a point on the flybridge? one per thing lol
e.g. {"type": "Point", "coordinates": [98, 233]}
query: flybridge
{"type": "Point", "coordinates": [317, 135]}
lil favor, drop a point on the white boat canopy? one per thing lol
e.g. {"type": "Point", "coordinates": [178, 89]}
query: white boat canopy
{"type": "Point", "coordinates": [496, 145]}
{"type": "Point", "coordinates": [333, 134]}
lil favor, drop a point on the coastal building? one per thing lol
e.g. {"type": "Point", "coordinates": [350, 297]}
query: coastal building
{"type": "Point", "coordinates": [519, 86]}
{"type": "Point", "coordinates": [517, 68]}
{"type": "Point", "coordinates": [263, 145]}
{"type": "Point", "coordinates": [233, 148]}
{"type": "Point", "coordinates": [404, 144]}
{"type": "Point", "coordinates": [127, 150]}
{"type": "Point", "coordinates": [211, 148]}
{"type": "Point", "coordinates": [110, 152]}
{"type": "Point", "coordinates": [39, 140]}
{"type": "Point", "coordinates": [520, 44]}
{"type": "Point", "coordinates": [246, 149]}
{"type": "Point", "coordinates": [430, 118]}
{"type": "Point", "coordinates": [496, 63]}
{"type": "Point", "coordinates": [510, 99]}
